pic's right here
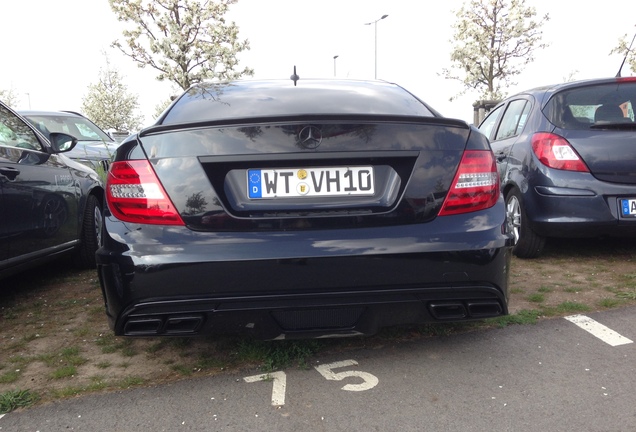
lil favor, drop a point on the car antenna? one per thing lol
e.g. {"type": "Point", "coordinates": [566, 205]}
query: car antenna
{"type": "Point", "coordinates": [618, 75]}
{"type": "Point", "coordinates": [294, 77]}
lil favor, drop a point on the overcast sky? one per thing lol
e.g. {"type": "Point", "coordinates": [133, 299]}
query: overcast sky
{"type": "Point", "coordinates": [53, 49]}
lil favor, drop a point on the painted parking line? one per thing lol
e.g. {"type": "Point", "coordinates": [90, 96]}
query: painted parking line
{"type": "Point", "coordinates": [597, 329]}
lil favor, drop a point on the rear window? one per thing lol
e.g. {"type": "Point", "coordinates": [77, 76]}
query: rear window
{"type": "Point", "coordinates": [247, 99]}
{"type": "Point", "coordinates": [583, 107]}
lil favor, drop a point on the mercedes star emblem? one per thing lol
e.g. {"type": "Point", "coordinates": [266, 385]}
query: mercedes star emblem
{"type": "Point", "coordinates": [310, 137]}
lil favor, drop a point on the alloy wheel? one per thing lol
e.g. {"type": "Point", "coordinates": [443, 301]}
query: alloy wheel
{"type": "Point", "coordinates": [513, 216]}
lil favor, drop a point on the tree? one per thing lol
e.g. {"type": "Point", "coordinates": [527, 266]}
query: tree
{"type": "Point", "coordinates": [493, 41]}
{"type": "Point", "coordinates": [186, 41]}
{"type": "Point", "coordinates": [109, 104]}
{"type": "Point", "coordinates": [9, 97]}
{"type": "Point", "coordinates": [627, 52]}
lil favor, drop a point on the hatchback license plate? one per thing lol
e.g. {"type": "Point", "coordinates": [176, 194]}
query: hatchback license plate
{"type": "Point", "coordinates": [310, 182]}
{"type": "Point", "coordinates": [628, 208]}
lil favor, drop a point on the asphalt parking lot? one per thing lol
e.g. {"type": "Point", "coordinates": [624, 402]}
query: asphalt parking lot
{"type": "Point", "coordinates": [55, 342]}
{"type": "Point", "coordinates": [554, 375]}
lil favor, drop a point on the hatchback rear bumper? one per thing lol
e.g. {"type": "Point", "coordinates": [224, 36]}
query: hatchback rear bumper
{"type": "Point", "coordinates": [578, 213]}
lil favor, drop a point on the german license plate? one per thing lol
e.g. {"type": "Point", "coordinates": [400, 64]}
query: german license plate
{"type": "Point", "coordinates": [310, 182]}
{"type": "Point", "coordinates": [628, 207]}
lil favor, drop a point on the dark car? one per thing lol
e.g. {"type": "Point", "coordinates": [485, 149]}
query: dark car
{"type": "Point", "coordinates": [566, 156]}
{"type": "Point", "coordinates": [50, 205]}
{"type": "Point", "coordinates": [94, 148]}
{"type": "Point", "coordinates": [289, 210]}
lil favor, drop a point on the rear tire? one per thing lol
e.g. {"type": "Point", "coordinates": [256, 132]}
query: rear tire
{"type": "Point", "coordinates": [528, 244]}
{"type": "Point", "coordinates": [91, 233]}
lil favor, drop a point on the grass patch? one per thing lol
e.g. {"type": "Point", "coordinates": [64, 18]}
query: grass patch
{"type": "Point", "coordinates": [627, 295]}
{"type": "Point", "coordinates": [520, 318]}
{"type": "Point", "coordinates": [629, 279]}
{"type": "Point", "coordinates": [209, 362]}
{"type": "Point", "coordinates": [72, 356]}
{"type": "Point", "coordinates": [569, 307]}
{"type": "Point", "coordinates": [9, 377]}
{"type": "Point", "coordinates": [71, 391]}
{"type": "Point", "coordinates": [130, 382]}
{"type": "Point", "coordinates": [82, 332]}
{"type": "Point", "coordinates": [536, 298]}
{"type": "Point", "coordinates": [276, 355]}
{"type": "Point", "coordinates": [108, 349]}
{"type": "Point", "coordinates": [610, 303]}
{"type": "Point", "coordinates": [156, 347]}
{"type": "Point", "coordinates": [14, 399]}
{"type": "Point", "coordinates": [64, 372]}
{"type": "Point", "coordinates": [182, 370]}
{"type": "Point", "coordinates": [109, 344]}
{"type": "Point", "coordinates": [128, 351]}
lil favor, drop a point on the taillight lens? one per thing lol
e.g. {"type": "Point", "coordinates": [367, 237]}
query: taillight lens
{"type": "Point", "coordinates": [134, 194]}
{"type": "Point", "coordinates": [556, 152]}
{"type": "Point", "coordinates": [476, 184]}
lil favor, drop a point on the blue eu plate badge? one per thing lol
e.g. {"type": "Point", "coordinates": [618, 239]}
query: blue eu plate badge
{"type": "Point", "coordinates": [254, 183]}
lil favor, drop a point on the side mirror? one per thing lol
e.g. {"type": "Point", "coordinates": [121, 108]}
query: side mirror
{"type": "Point", "coordinates": [62, 142]}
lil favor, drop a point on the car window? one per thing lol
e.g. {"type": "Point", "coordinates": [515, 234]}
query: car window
{"type": "Point", "coordinates": [513, 120]}
{"type": "Point", "coordinates": [582, 107]}
{"type": "Point", "coordinates": [87, 131]}
{"type": "Point", "coordinates": [79, 127]}
{"type": "Point", "coordinates": [15, 133]}
{"type": "Point", "coordinates": [489, 122]}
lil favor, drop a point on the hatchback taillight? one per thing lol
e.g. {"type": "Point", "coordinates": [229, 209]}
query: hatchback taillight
{"type": "Point", "coordinates": [134, 194]}
{"type": "Point", "coordinates": [476, 184]}
{"type": "Point", "coordinates": [556, 152]}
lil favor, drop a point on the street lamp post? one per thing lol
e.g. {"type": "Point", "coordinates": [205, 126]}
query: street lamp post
{"type": "Point", "coordinates": [375, 23]}
{"type": "Point", "coordinates": [334, 65]}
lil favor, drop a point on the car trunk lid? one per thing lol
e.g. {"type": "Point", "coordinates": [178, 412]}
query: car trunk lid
{"type": "Point", "coordinates": [319, 172]}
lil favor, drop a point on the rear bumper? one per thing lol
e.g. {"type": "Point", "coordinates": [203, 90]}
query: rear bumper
{"type": "Point", "coordinates": [303, 315]}
{"type": "Point", "coordinates": [571, 213]}
{"type": "Point", "coordinates": [172, 281]}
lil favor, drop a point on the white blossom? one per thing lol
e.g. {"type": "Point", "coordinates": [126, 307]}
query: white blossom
{"type": "Point", "coordinates": [186, 41]}
{"type": "Point", "coordinates": [628, 51]}
{"type": "Point", "coordinates": [9, 97]}
{"type": "Point", "coordinates": [109, 104]}
{"type": "Point", "coordinates": [493, 40]}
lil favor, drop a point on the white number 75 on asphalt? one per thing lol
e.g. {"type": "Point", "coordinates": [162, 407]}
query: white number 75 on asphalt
{"type": "Point", "coordinates": [279, 379]}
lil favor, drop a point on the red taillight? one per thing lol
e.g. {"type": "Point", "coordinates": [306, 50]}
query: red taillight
{"type": "Point", "coordinates": [476, 184]}
{"type": "Point", "coordinates": [556, 152]}
{"type": "Point", "coordinates": [134, 194]}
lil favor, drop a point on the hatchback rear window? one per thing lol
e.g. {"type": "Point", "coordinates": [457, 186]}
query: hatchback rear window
{"type": "Point", "coordinates": [593, 105]}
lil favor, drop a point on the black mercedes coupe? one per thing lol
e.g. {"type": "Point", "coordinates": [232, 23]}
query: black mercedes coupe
{"type": "Point", "coordinates": [299, 209]}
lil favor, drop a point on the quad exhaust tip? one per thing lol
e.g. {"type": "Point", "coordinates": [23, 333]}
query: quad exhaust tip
{"type": "Point", "coordinates": [170, 325]}
{"type": "Point", "coordinates": [458, 310]}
